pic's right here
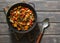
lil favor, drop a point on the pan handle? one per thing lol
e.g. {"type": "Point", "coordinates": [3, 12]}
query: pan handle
{"type": "Point", "coordinates": [32, 4]}
{"type": "Point", "coordinates": [6, 9]}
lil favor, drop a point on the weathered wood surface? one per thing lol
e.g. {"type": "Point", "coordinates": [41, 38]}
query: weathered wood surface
{"type": "Point", "coordinates": [53, 16]}
{"type": "Point", "coordinates": [5, 39]}
{"type": "Point", "coordinates": [39, 5]}
{"type": "Point", "coordinates": [45, 39]}
{"type": "Point", "coordinates": [45, 9]}
{"type": "Point", "coordinates": [25, 0]}
{"type": "Point", "coordinates": [53, 29]}
{"type": "Point", "coordinates": [51, 39]}
{"type": "Point", "coordinates": [2, 17]}
{"type": "Point", "coordinates": [4, 29]}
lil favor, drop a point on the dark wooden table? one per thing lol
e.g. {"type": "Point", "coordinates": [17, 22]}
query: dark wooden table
{"type": "Point", "coordinates": [45, 9]}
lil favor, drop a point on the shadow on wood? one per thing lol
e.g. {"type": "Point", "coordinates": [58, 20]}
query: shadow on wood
{"type": "Point", "coordinates": [27, 37]}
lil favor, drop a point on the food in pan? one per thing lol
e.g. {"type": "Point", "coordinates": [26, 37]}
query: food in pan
{"type": "Point", "coordinates": [22, 18]}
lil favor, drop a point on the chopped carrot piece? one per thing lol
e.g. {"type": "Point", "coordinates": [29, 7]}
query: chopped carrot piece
{"type": "Point", "coordinates": [19, 28]}
{"type": "Point", "coordinates": [15, 25]}
{"type": "Point", "coordinates": [26, 27]}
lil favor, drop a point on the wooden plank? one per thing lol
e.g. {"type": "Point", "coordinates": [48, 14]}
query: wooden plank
{"type": "Point", "coordinates": [25, 0]}
{"type": "Point", "coordinates": [16, 0]}
{"type": "Point", "coordinates": [2, 17]}
{"type": "Point", "coordinates": [53, 29]}
{"type": "Point", "coordinates": [53, 16]}
{"type": "Point", "coordinates": [2, 0]}
{"type": "Point", "coordinates": [47, 5]}
{"type": "Point", "coordinates": [39, 5]}
{"type": "Point", "coordinates": [51, 39]}
{"type": "Point", "coordinates": [5, 39]}
{"type": "Point", "coordinates": [45, 39]}
{"type": "Point", "coordinates": [3, 5]}
{"type": "Point", "coordinates": [4, 29]}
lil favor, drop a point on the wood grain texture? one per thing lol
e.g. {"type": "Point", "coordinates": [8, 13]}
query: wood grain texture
{"type": "Point", "coordinates": [51, 39]}
{"type": "Point", "coordinates": [53, 29]}
{"type": "Point", "coordinates": [4, 29]}
{"type": "Point", "coordinates": [39, 5]}
{"type": "Point", "coordinates": [47, 5]}
{"type": "Point", "coordinates": [45, 39]}
{"type": "Point", "coordinates": [2, 17]}
{"type": "Point", "coordinates": [5, 39]}
{"type": "Point", "coordinates": [25, 0]}
{"type": "Point", "coordinates": [3, 5]}
{"type": "Point", "coordinates": [45, 9]}
{"type": "Point", "coordinates": [53, 16]}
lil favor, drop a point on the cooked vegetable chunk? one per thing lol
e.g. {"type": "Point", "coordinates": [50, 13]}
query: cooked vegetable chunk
{"type": "Point", "coordinates": [22, 18]}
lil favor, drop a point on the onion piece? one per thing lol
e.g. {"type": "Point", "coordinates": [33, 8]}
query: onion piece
{"type": "Point", "coordinates": [11, 21]}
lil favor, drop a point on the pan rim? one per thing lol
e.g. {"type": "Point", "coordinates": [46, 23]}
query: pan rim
{"type": "Point", "coordinates": [29, 28]}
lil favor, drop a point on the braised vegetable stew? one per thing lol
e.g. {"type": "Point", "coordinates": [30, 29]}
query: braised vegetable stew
{"type": "Point", "coordinates": [22, 18]}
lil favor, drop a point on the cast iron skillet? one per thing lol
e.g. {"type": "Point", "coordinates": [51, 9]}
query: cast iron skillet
{"type": "Point", "coordinates": [24, 5]}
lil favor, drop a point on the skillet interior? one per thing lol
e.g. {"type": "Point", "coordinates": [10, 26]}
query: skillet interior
{"type": "Point", "coordinates": [24, 5]}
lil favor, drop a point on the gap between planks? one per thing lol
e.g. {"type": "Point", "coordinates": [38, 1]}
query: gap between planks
{"type": "Point", "coordinates": [40, 10]}
{"type": "Point", "coordinates": [37, 22]}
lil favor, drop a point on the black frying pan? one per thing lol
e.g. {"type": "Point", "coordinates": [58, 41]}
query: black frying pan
{"type": "Point", "coordinates": [24, 5]}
